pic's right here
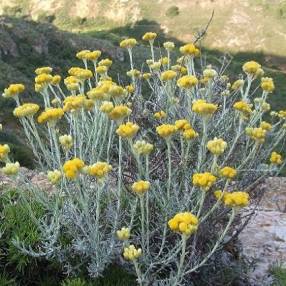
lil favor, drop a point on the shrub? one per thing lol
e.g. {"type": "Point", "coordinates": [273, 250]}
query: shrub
{"type": "Point", "coordinates": [153, 180]}
{"type": "Point", "coordinates": [172, 11]}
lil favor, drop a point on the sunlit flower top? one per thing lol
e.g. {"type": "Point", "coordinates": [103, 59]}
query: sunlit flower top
{"type": "Point", "coordinates": [216, 146]}
{"type": "Point", "coordinates": [276, 158]}
{"type": "Point", "coordinates": [243, 107]}
{"type": "Point", "coordinates": [228, 172]}
{"type": "Point", "coordinates": [169, 46]}
{"type": "Point", "coordinates": [168, 75]}
{"type": "Point", "coordinates": [141, 147]}
{"type": "Point", "coordinates": [251, 67]}
{"type": "Point", "coordinates": [204, 108]}
{"type": "Point", "coordinates": [54, 176]}
{"type": "Point", "coordinates": [66, 142]}
{"type": "Point", "coordinates": [13, 90]}
{"type": "Point", "coordinates": [127, 130]}
{"type": "Point", "coordinates": [166, 130]}
{"type": "Point", "coordinates": [190, 50]}
{"type": "Point", "coordinates": [131, 253]}
{"type": "Point", "coordinates": [4, 151]}
{"type": "Point", "coordinates": [149, 36]}
{"type": "Point", "coordinates": [234, 199]}
{"type": "Point", "coordinates": [140, 187]}
{"type": "Point", "coordinates": [72, 168]}
{"type": "Point", "coordinates": [99, 169]}
{"type": "Point", "coordinates": [187, 81]}
{"type": "Point", "coordinates": [26, 110]}
{"type": "Point", "coordinates": [258, 134]}
{"type": "Point", "coordinates": [119, 112]}
{"type": "Point", "coordinates": [185, 223]}
{"type": "Point", "coordinates": [123, 233]}
{"type": "Point", "coordinates": [204, 180]}
{"type": "Point", "coordinates": [51, 115]}
{"type": "Point", "coordinates": [160, 114]}
{"type": "Point", "coordinates": [237, 84]}
{"type": "Point", "coordinates": [267, 84]}
{"type": "Point", "coordinates": [11, 169]}
{"type": "Point", "coordinates": [128, 43]}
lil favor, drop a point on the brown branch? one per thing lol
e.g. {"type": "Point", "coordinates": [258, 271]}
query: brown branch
{"type": "Point", "coordinates": [202, 33]}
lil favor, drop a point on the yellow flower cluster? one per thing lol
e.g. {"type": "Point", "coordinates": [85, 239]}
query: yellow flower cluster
{"type": "Point", "coordinates": [131, 253]}
{"type": "Point", "coordinates": [54, 176]}
{"type": "Point", "coordinates": [149, 36]}
{"type": "Point", "coordinates": [71, 82]}
{"type": "Point", "coordinates": [243, 107]}
{"type": "Point", "coordinates": [160, 115]}
{"type": "Point", "coordinates": [119, 112]}
{"type": "Point", "coordinates": [233, 200]}
{"type": "Point", "coordinates": [146, 75]}
{"type": "Point", "coordinates": [182, 124]}
{"type": "Point", "coordinates": [128, 43]}
{"type": "Point", "coordinates": [190, 134]}
{"type": "Point", "coordinates": [166, 130]}
{"type": "Point", "coordinates": [106, 106]}
{"type": "Point", "coordinates": [13, 90]}
{"type": "Point", "coordinates": [282, 114]}
{"type": "Point", "coordinates": [164, 61]}
{"type": "Point", "coordinates": [265, 125]}
{"type": "Point", "coordinates": [88, 55]}
{"type": "Point", "coordinates": [267, 84]}
{"type": "Point", "coordinates": [204, 180]}
{"type": "Point", "coordinates": [80, 73]}
{"type": "Point", "coordinates": [209, 73]}
{"type": "Point", "coordinates": [276, 158]}
{"type": "Point", "coordinates": [41, 70]}
{"type": "Point", "coordinates": [26, 109]}
{"type": "Point", "coordinates": [123, 234]}
{"type": "Point", "coordinates": [74, 102]}
{"type": "Point", "coordinates": [50, 115]}
{"type": "Point", "coordinates": [187, 81]}
{"type": "Point", "coordinates": [179, 69]}
{"type": "Point", "coordinates": [4, 151]}
{"type": "Point", "coordinates": [251, 67]}
{"type": "Point", "coordinates": [101, 69]}
{"type": "Point", "coordinates": [11, 169]}
{"type": "Point", "coordinates": [140, 187]}
{"type": "Point", "coordinates": [258, 134]}
{"type": "Point", "coordinates": [169, 46]}
{"type": "Point", "coordinates": [185, 223]}
{"type": "Point", "coordinates": [190, 50]}
{"type": "Point", "coordinates": [141, 147]}
{"type": "Point", "coordinates": [228, 172]}
{"type": "Point", "coordinates": [66, 142]}
{"type": "Point", "coordinates": [168, 75]}
{"type": "Point", "coordinates": [204, 108]}
{"type": "Point", "coordinates": [105, 62]}
{"type": "Point", "coordinates": [99, 169]}
{"type": "Point", "coordinates": [237, 84]}
{"type": "Point", "coordinates": [56, 79]}
{"type": "Point", "coordinates": [134, 73]}
{"type": "Point", "coordinates": [43, 79]}
{"type": "Point", "coordinates": [216, 146]}
{"type": "Point", "coordinates": [72, 167]}
{"type": "Point", "coordinates": [127, 130]}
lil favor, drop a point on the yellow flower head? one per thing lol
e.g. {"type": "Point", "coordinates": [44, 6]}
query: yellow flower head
{"type": "Point", "coordinates": [166, 130]}
{"type": "Point", "coordinates": [187, 81]}
{"type": "Point", "coordinates": [237, 84]}
{"type": "Point", "coordinates": [131, 253]}
{"type": "Point", "coordinates": [93, 56]}
{"type": "Point", "coordinates": [141, 147]}
{"type": "Point", "coordinates": [82, 55]}
{"type": "Point", "coordinates": [105, 62]}
{"type": "Point", "coordinates": [134, 73]}
{"type": "Point", "coordinates": [164, 61]}
{"type": "Point", "coordinates": [190, 50]}
{"type": "Point", "coordinates": [128, 43]}
{"type": "Point", "coordinates": [209, 73]}
{"type": "Point", "coordinates": [160, 115]}
{"type": "Point", "coordinates": [265, 125]}
{"type": "Point", "coordinates": [190, 134]}
{"type": "Point", "coordinates": [50, 115]}
{"type": "Point", "coordinates": [149, 36]}
{"type": "Point", "coordinates": [26, 110]}
{"type": "Point", "coordinates": [13, 90]}
{"type": "Point", "coordinates": [66, 142]}
{"type": "Point", "coordinates": [168, 75]}
{"type": "Point", "coordinates": [54, 176]}
{"type": "Point", "coordinates": [184, 223]}
{"type": "Point", "coordinates": [119, 112]}
{"type": "Point", "coordinates": [251, 67]}
{"type": "Point", "coordinates": [99, 170]}
{"type": "Point", "coordinates": [216, 146]}
{"type": "Point", "coordinates": [258, 134]}
{"type": "Point", "coordinates": [72, 168]}
{"type": "Point", "coordinates": [11, 169]}
{"type": "Point", "coordinates": [204, 108]}
{"type": "Point", "coordinates": [276, 158]}
{"type": "Point", "coordinates": [140, 187]}
{"type": "Point", "coordinates": [73, 103]}
{"type": "Point", "coordinates": [106, 106]}
{"type": "Point", "coordinates": [127, 130]}
{"type": "Point", "coordinates": [146, 76]}
{"type": "Point", "coordinates": [182, 124]}
{"type": "Point", "coordinates": [123, 234]}
{"type": "Point", "coordinates": [56, 80]}
{"type": "Point", "coordinates": [4, 151]}
{"type": "Point", "coordinates": [72, 83]}
{"type": "Point", "coordinates": [236, 199]}
{"type": "Point", "coordinates": [43, 79]}
{"type": "Point", "coordinates": [80, 73]}
{"type": "Point", "coordinates": [169, 46]}
{"type": "Point", "coordinates": [243, 107]}
{"type": "Point", "coordinates": [267, 84]}
{"type": "Point", "coordinates": [42, 70]}
{"type": "Point", "coordinates": [204, 180]}
{"type": "Point", "coordinates": [228, 172]}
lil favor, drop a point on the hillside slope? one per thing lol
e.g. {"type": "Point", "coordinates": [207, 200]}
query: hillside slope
{"type": "Point", "coordinates": [244, 25]}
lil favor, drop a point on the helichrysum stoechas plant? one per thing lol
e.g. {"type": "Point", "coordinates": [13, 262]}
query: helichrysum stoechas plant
{"type": "Point", "coordinates": [142, 177]}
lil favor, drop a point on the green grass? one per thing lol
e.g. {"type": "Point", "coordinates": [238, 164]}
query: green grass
{"type": "Point", "coordinates": [279, 274]}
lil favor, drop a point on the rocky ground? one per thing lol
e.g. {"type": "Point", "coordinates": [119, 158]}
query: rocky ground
{"type": "Point", "coordinates": [264, 238]}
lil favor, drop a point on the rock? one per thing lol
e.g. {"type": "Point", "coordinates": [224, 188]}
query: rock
{"type": "Point", "coordinates": [264, 238]}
